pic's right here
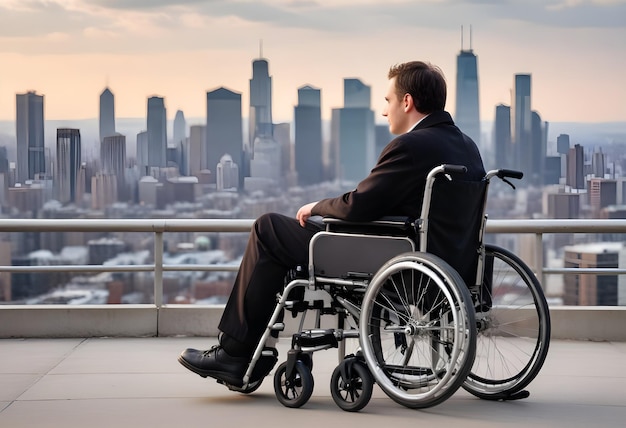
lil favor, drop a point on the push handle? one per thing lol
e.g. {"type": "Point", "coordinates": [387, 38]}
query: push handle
{"type": "Point", "coordinates": [454, 169]}
{"type": "Point", "coordinates": [509, 173]}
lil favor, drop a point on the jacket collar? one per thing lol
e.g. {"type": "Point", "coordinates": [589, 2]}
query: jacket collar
{"type": "Point", "coordinates": [435, 118]}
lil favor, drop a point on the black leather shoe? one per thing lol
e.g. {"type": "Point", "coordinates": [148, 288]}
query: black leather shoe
{"type": "Point", "coordinates": [215, 363]}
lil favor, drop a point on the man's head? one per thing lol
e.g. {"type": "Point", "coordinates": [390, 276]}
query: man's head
{"type": "Point", "coordinates": [415, 89]}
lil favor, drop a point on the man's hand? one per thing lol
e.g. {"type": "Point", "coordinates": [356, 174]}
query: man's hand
{"type": "Point", "coordinates": [304, 213]}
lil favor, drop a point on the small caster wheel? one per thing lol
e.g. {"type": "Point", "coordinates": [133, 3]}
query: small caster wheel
{"type": "Point", "coordinates": [296, 389]}
{"type": "Point", "coordinates": [351, 385]}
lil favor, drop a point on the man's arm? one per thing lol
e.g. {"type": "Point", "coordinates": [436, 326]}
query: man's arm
{"type": "Point", "coordinates": [365, 196]}
{"type": "Point", "coordinates": [384, 190]}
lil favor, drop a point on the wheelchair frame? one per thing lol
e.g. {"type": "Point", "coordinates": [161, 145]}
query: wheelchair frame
{"type": "Point", "coordinates": [440, 323]}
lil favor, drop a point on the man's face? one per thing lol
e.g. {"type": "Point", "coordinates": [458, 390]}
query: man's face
{"type": "Point", "coordinates": [394, 110]}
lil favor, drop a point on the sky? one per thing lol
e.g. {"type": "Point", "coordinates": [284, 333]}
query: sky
{"type": "Point", "coordinates": [70, 50]}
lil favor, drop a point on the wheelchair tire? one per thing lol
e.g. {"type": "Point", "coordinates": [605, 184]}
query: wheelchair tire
{"type": "Point", "coordinates": [417, 329]}
{"type": "Point", "coordinates": [351, 394]}
{"type": "Point", "coordinates": [293, 391]}
{"type": "Point", "coordinates": [513, 335]}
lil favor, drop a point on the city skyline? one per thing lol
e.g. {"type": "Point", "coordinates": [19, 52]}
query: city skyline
{"type": "Point", "coordinates": [71, 50]}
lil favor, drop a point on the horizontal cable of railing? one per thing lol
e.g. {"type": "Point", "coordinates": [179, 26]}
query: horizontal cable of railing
{"type": "Point", "coordinates": [244, 225]}
{"type": "Point", "coordinates": [159, 226]}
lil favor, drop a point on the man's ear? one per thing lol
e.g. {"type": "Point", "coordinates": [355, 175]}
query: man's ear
{"type": "Point", "coordinates": [408, 103]}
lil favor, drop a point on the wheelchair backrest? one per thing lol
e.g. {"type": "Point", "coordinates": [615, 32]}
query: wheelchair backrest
{"type": "Point", "coordinates": [454, 224]}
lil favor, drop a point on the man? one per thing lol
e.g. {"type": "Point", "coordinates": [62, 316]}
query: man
{"type": "Point", "coordinates": [427, 137]}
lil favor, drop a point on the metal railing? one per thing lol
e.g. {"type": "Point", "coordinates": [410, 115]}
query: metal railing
{"type": "Point", "coordinates": [596, 323]}
{"type": "Point", "coordinates": [541, 227]}
{"type": "Point", "coordinates": [160, 226]}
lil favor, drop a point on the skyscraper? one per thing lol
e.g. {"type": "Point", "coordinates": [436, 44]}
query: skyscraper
{"type": "Point", "coordinates": [502, 138]}
{"type": "Point", "coordinates": [113, 158]}
{"type": "Point", "coordinates": [29, 127]}
{"type": "Point", "coordinates": [467, 116]}
{"type": "Point", "coordinates": [383, 137]}
{"type": "Point", "coordinates": [332, 149]}
{"type": "Point", "coordinates": [113, 154]}
{"type": "Point", "coordinates": [4, 161]}
{"type": "Point", "coordinates": [142, 153]}
{"type": "Point", "coordinates": [552, 170]}
{"type": "Point", "coordinates": [576, 167]}
{"type": "Point", "coordinates": [227, 173]}
{"type": "Point", "coordinates": [157, 133]}
{"type": "Point", "coordinates": [562, 144]}
{"type": "Point", "coordinates": [356, 132]}
{"type": "Point", "coordinates": [282, 136]}
{"type": "Point", "coordinates": [107, 114]}
{"type": "Point", "coordinates": [598, 164]}
{"type": "Point", "coordinates": [224, 133]}
{"type": "Point", "coordinates": [260, 101]}
{"type": "Point", "coordinates": [193, 152]}
{"type": "Point", "coordinates": [538, 147]}
{"type": "Point", "coordinates": [180, 128]}
{"type": "Point", "coordinates": [308, 136]}
{"type": "Point", "coordinates": [520, 136]}
{"type": "Point", "coordinates": [175, 148]}
{"type": "Point", "coordinates": [591, 289]}
{"type": "Point", "coordinates": [68, 164]}
{"type": "Point", "coordinates": [602, 193]}
{"type": "Point", "coordinates": [356, 94]}
{"type": "Point", "coordinates": [521, 123]}
{"type": "Point", "coordinates": [266, 167]}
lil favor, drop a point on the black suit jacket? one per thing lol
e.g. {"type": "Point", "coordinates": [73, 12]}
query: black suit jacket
{"type": "Point", "coordinates": [395, 186]}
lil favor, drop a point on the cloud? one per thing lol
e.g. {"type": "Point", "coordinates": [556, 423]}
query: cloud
{"type": "Point", "coordinates": [35, 18]}
{"type": "Point", "coordinates": [143, 4]}
{"type": "Point", "coordinates": [31, 19]}
{"type": "Point", "coordinates": [99, 33]}
{"type": "Point", "coordinates": [152, 25]}
{"type": "Point", "coordinates": [368, 15]}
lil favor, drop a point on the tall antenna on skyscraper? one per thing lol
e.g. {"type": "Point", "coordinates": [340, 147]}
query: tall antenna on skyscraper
{"type": "Point", "coordinates": [470, 37]}
{"type": "Point", "coordinates": [461, 37]}
{"type": "Point", "coordinates": [261, 48]}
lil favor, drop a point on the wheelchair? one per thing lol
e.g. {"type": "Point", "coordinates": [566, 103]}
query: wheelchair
{"type": "Point", "coordinates": [432, 306]}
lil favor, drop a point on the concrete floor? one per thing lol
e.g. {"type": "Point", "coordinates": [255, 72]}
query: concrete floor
{"type": "Point", "coordinates": [137, 382]}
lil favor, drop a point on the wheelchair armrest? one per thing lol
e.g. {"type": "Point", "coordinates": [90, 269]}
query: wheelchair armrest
{"type": "Point", "coordinates": [397, 222]}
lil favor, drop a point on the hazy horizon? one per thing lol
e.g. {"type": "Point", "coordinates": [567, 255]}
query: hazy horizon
{"type": "Point", "coordinates": [589, 134]}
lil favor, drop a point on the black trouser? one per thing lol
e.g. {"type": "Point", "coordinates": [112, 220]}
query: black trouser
{"type": "Point", "coordinates": [277, 243]}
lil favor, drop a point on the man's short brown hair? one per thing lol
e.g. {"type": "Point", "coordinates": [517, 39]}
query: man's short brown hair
{"type": "Point", "coordinates": [424, 82]}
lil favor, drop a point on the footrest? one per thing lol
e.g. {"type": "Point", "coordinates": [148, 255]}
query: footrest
{"type": "Point", "coordinates": [266, 363]}
{"type": "Point", "coordinates": [309, 338]}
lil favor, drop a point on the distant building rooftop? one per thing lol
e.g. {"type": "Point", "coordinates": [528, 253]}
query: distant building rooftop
{"type": "Point", "coordinates": [596, 247]}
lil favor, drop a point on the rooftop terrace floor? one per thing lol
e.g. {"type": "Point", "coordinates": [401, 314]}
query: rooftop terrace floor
{"type": "Point", "coordinates": [124, 382]}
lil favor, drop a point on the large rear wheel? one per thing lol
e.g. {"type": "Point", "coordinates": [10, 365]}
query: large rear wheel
{"type": "Point", "coordinates": [513, 329]}
{"type": "Point", "coordinates": [417, 329]}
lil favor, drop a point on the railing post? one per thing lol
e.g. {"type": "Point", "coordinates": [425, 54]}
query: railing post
{"type": "Point", "coordinates": [158, 269]}
{"type": "Point", "coordinates": [539, 267]}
